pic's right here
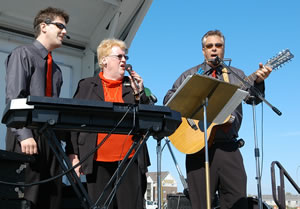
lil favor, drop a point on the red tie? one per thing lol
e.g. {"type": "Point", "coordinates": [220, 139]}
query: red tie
{"type": "Point", "coordinates": [214, 73]}
{"type": "Point", "coordinates": [49, 76]}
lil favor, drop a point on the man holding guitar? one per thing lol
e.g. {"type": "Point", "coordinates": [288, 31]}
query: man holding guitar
{"type": "Point", "coordinates": [227, 173]}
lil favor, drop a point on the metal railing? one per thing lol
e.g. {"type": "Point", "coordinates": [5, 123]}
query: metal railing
{"type": "Point", "coordinates": [279, 197]}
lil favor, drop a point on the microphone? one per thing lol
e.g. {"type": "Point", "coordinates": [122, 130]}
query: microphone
{"type": "Point", "coordinates": [128, 68]}
{"type": "Point", "coordinates": [68, 37]}
{"type": "Point", "coordinates": [215, 61]}
{"type": "Point", "coordinates": [151, 96]}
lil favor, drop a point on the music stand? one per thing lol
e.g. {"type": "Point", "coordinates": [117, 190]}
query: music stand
{"type": "Point", "coordinates": [208, 100]}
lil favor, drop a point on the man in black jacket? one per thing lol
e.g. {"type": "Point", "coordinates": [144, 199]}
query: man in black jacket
{"type": "Point", "coordinates": [227, 173]}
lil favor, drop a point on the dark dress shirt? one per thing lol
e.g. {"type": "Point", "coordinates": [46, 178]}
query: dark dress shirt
{"type": "Point", "coordinates": [26, 68]}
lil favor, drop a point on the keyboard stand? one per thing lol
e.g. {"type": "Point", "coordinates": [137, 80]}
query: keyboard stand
{"type": "Point", "coordinates": [66, 166]}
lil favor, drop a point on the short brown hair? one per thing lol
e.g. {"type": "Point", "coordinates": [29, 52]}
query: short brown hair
{"type": "Point", "coordinates": [46, 14]}
{"type": "Point", "coordinates": [212, 33]}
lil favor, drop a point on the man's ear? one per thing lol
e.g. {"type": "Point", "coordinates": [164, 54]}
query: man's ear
{"type": "Point", "coordinates": [43, 27]}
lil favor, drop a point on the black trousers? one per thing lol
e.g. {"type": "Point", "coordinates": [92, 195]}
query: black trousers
{"type": "Point", "coordinates": [227, 176]}
{"type": "Point", "coordinates": [46, 195]}
{"type": "Point", "coordinates": [129, 194]}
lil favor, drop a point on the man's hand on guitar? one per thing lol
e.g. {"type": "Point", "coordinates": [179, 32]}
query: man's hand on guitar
{"type": "Point", "coordinates": [262, 73]}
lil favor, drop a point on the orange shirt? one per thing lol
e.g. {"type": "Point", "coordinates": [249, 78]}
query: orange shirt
{"type": "Point", "coordinates": [117, 145]}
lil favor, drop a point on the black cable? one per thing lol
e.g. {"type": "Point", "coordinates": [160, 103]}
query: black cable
{"type": "Point", "coordinates": [142, 143]}
{"type": "Point", "coordinates": [118, 168]}
{"type": "Point", "coordinates": [75, 166]}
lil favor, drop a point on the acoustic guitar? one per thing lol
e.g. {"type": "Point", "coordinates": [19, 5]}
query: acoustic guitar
{"type": "Point", "coordinates": [189, 138]}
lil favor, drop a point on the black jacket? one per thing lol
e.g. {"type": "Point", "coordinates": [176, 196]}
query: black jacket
{"type": "Point", "coordinates": [82, 143]}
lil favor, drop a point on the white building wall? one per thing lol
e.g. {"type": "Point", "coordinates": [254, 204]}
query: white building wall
{"type": "Point", "coordinates": [169, 181]}
{"type": "Point", "coordinates": [149, 181]}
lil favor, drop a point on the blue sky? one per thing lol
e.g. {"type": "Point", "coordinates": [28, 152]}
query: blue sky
{"type": "Point", "coordinates": [169, 42]}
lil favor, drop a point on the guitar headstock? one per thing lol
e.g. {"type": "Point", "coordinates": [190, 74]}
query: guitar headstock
{"type": "Point", "coordinates": [282, 57]}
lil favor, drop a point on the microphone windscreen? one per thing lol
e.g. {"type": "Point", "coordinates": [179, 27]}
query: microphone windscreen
{"type": "Point", "coordinates": [216, 61]}
{"type": "Point", "coordinates": [147, 91]}
{"type": "Point", "coordinates": [150, 95]}
{"type": "Point", "coordinates": [128, 67]}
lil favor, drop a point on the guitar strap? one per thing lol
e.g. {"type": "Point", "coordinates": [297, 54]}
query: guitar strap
{"type": "Point", "coordinates": [225, 74]}
{"type": "Point", "coordinates": [226, 79]}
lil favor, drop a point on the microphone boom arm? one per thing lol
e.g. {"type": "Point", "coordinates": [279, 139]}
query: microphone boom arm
{"type": "Point", "coordinates": [254, 90]}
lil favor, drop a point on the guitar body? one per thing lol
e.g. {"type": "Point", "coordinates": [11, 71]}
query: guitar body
{"type": "Point", "coordinates": [188, 140]}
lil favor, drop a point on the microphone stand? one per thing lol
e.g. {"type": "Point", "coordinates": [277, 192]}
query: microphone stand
{"type": "Point", "coordinates": [257, 94]}
{"type": "Point", "coordinates": [158, 154]}
{"type": "Point", "coordinates": [254, 90]}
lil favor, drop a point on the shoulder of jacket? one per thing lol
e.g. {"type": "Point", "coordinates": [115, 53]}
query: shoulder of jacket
{"type": "Point", "coordinates": [237, 70]}
{"type": "Point", "coordinates": [191, 71]}
{"type": "Point", "coordinates": [89, 80]}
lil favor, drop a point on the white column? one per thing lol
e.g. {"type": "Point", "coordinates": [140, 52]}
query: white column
{"type": "Point", "coordinates": [88, 63]}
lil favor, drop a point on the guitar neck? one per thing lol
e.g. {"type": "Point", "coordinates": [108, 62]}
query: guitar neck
{"type": "Point", "coordinates": [274, 63]}
{"type": "Point", "coordinates": [251, 78]}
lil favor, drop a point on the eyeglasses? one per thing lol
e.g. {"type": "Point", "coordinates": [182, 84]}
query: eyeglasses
{"type": "Point", "coordinates": [59, 25]}
{"type": "Point", "coordinates": [119, 56]}
{"type": "Point", "coordinates": [217, 45]}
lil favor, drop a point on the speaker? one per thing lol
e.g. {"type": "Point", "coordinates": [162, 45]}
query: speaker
{"type": "Point", "coordinates": [253, 203]}
{"type": "Point", "coordinates": [15, 204]}
{"type": "Point", "coordinates": [179, 200]}
{"type": "Point", "coordinates": [12, 170]}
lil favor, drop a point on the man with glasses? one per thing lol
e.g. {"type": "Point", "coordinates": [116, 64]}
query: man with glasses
{"type": "Point", "coordinates": [31, 71]}
{"type": "Point", "coordinates": [227, 173]}
{"type": "Point", "coordinates": [111, 85]}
